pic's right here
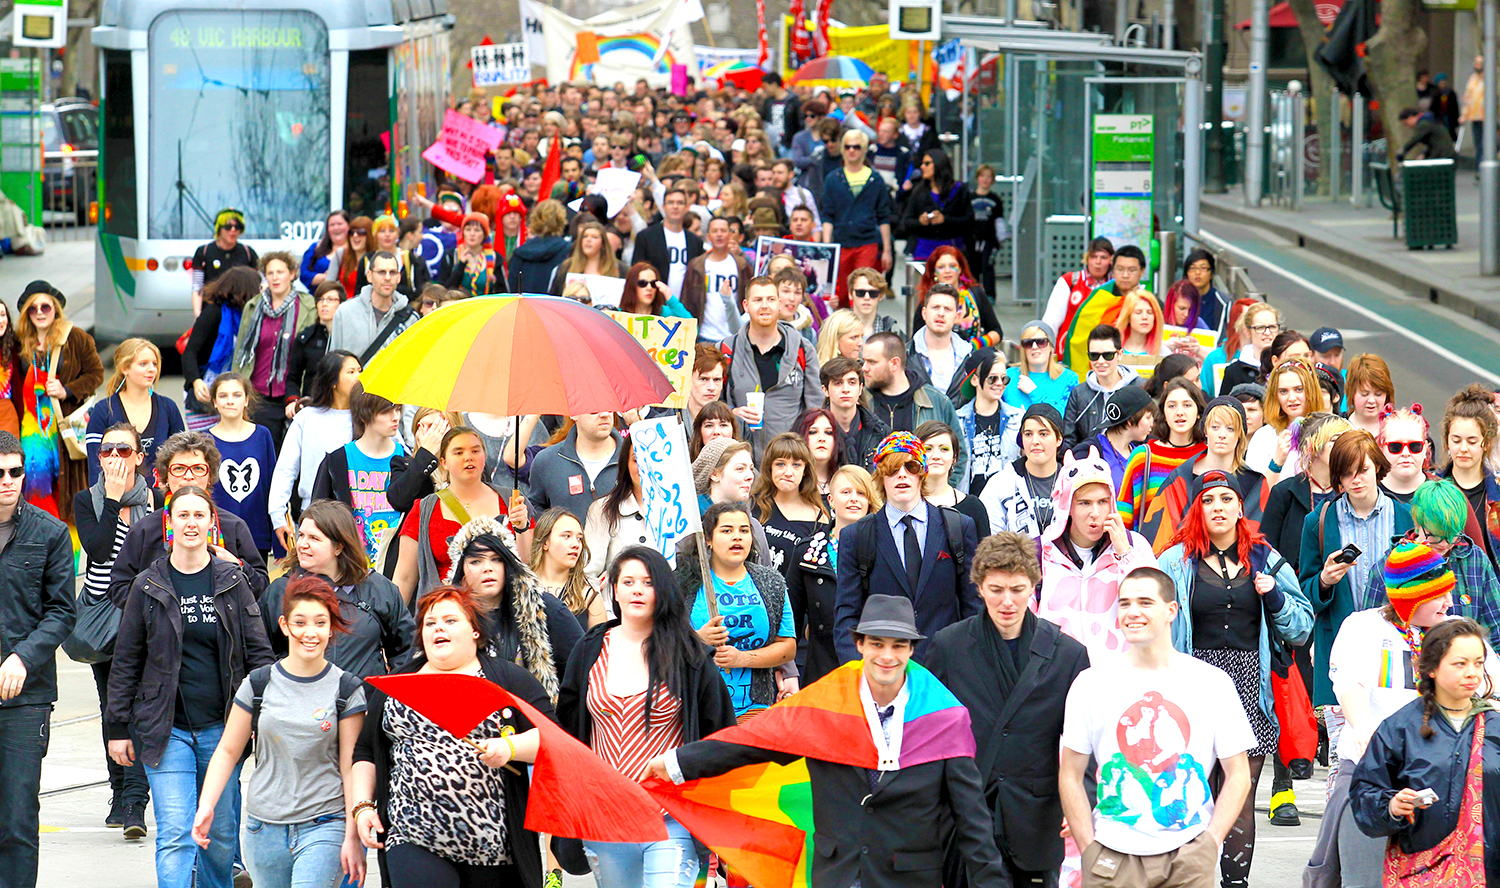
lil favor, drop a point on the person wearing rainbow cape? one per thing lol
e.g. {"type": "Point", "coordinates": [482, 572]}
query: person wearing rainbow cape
{"type": "Point", "coordinates": [878, 776]}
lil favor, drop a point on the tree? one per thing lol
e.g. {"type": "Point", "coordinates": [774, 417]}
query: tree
{"type": "Point", "coordinates": [1313, 33]}
{"type": "Point", "coordinates": [1391, 61]}
{"type": "Point", "coordinates": [77, 51]}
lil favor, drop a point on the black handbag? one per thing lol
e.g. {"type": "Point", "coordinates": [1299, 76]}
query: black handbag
{"type": "Point", "coordinates": [93, 637]}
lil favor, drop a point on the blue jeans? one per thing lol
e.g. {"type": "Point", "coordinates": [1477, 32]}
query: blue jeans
{"type": "Point", "coordinates": [668, 864]}
{"type": "Point", "coordinates": [293, 855]}
{"type": "Point", "coordinates": [174, 795]}
{"type": "Point", "coordinates": [24, 733]}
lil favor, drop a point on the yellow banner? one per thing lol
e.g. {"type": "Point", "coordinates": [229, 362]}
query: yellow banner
{"type": "Point", "coordinates": [872, 45]}
{"type": "Point", "coordinates": [670, 342]}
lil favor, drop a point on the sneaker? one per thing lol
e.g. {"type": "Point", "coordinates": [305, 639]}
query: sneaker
{"type": "Point", "coordinates": [553, 880]}
{"type": "Point", "coordinates": [242, 877]}
{"type": "Point", "coordinates": [134, 821]}
{"type": "Point", "coordinates": [116, 816]}
{"type": "Point", "coordinates": [1284, 809]}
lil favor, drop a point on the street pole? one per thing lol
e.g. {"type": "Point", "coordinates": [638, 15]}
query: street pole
{"type": "Point", "coordinates": [1213, 54]}
{"type": "Point", "coordinates": [1122, 16]}
{"type": "Point", "coordinates": [1255, 137]}
{"type": "Point", "coordinates": [1489, 168]}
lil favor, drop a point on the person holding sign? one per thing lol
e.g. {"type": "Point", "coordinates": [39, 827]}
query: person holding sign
{"type": "Point", "coordinates": [471, 265]}
{"type": "Point", "coordinates": [590, 256]}
{"type": "Point", "coordinates": [715, 285]}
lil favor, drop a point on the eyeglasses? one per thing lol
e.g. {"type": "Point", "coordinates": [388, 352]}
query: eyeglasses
{"type": "Point", "coordinates": [1200, 266]}
{"type": "Point", "coordinates": [866, 294]}
{"type": "Point", "coordinates": [1103, 356]}
{"type": "Point", "coordinates": [385, 272]}
{"type": "Point", "coordinates": [231, 226]}
{"type": "Point", "coordinates": [331, 298]}
{"type": "Point", "coordinates": [1413, 447]}
{"type": "Point", "coordinates": [1266, 328]}
{"type": "Point", "coordinates": [182, 471]}
{"type": "Point", "coordinates": [1035, 343]}
{"type": "Point", "coordinates": [117, 450]}
{"type": "Point", "coordinates": [14, 472]}
{"type": "Point", "coordinates": [430, 303]}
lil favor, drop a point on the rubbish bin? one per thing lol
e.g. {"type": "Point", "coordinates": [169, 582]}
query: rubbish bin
{"type": "Point", "coordinates": [1427, 197]}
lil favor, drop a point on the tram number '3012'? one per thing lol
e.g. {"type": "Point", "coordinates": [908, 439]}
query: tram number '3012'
{"type": "Point", "coordinates": [302, 231]}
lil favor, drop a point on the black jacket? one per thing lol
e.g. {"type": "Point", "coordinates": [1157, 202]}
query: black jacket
{"type": "Point", "coordinates": [200, 346]}
{"type": "Point", "coordinates": [144, 545]}
{"type": "Point", "coordinates": [37, 610]}
{"type": "Point", "coordinates": [308, 348]}
{"type": "Point", "coordinates": [534, 263]}
{"type": "Point", "coordinates": [708, 708]}
{"type": "Point", "coordinates": [148, 653]}
{"type": "Point", "coordinates": [890, 837]}
{"type": "Point", "coordinates": [1018, 734]}
{"type": "Point", "coordinates": [1287, 507]}
{"type": "Point", "coordinates": [381, 630]}
{"type": "Point", "coordinates": [956, 206]}
{"type": "Point", "coordinates": [860, 442]}
{"type": "Point", "coordinates": [451, 273]}
{"type": "Point", "coordinates": [373, 747]}
{"type": "Point", "coordinates": [411, 479]}
{"type": "Point", "coordinates": [1398, 757]}
{"type": "Point", "coordinates": [812, 585]}
{"type": "Point", "coordinates": [651, 246]}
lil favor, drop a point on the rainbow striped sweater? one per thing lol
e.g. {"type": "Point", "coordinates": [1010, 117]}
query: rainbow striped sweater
{"type": "Point", "coordinates": [1145, 472]}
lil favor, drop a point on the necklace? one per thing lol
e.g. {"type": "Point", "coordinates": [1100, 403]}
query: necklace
{"type": "Point", "coordinates": [1463, 709]}
{"type": "Point", "coordinates": [1413, 637]}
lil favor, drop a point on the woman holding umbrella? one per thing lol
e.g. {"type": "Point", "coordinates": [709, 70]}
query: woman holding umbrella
{"type": "Point", "coordinates": [440, 811]}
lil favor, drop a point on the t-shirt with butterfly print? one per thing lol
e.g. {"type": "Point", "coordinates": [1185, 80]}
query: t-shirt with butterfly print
{"type": "Point", "coordinates": [244, 483]}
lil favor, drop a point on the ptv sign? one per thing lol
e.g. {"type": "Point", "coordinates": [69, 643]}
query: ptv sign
{"type": "Point", "coordinates": [499, 63]}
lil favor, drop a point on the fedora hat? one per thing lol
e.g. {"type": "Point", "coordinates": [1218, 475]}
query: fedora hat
{"type": "Point", "coordinates": [889, 616]}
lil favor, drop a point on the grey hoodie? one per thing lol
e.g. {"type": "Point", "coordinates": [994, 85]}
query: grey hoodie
{"type": "Point", "coordinates": [1084, 417]}
{"type": "Point", "coordinates": [355, 325]}
{"type": "Point", "coordinates": [797, 386]}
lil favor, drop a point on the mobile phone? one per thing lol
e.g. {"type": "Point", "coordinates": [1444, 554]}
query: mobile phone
{"type": "Point", "coordinates": [1348, 554]}
{"type": "Point", "coordinates": [1425, 797]}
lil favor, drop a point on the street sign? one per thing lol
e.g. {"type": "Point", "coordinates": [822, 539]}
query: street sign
{"type": "Point", "coordinates": [1123, 148]}
{"type": "Point", "coordinates": [916, 19]}
{"type": "Point", "coordinates": [41, 23]}
{"type": "Point", "coordinates": [499, 63]}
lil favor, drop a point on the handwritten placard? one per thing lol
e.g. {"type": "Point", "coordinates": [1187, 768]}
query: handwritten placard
{"type": "Point", "coordinates": [602, 289]}
{"type": "Point", "coordinates": [461, 147]}
{"type": "Point", "coordinates": [669, 342]}
{"type": "Point", "coordinates": [671, 500]}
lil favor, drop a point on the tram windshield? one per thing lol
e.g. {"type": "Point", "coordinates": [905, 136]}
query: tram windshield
{"type": "Point", "coordinates": [239, 118]}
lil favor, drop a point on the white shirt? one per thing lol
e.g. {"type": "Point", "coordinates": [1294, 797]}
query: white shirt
{"type": "Point", "coordinates": [945, 362]}
{"type": "Point", "coordinates": [715, 323]}
{"type": "Point", "coordinates": [677, 259]}
{"type": "Point", "coordinates": [1262, 449]}
{"type": "Point", "coordinates": [887, 739]}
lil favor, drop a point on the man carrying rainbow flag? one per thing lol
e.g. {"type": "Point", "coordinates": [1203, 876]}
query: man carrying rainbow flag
{"type": "Point", "coordinates": [862, 779]}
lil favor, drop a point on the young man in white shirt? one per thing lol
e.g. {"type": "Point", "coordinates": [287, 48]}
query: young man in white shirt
{"type": "Point", "coordinates": [936, 348]}
{"type": "Point", "coordinates": [668, 245]}
{"type": "Point", "coordinates": [1156, 721]}
{"type": "Point", "coordinates": [714, 283]}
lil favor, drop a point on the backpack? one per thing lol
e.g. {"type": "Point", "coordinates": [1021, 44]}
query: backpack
{"type": "Point", "coordinates": [261, 678]}
{"type": "Point", "coordinates": [953, 533]}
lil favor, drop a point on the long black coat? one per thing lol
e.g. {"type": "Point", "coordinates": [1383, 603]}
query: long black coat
{"type": "Point", "coordinates": [890, 837]}
{"type": "Point", "coordinates": [1287, 508]}
{"type": "Point", "coordinates": [1017, 736]}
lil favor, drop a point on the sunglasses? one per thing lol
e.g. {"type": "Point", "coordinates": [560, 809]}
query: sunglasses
{"type": "Point", "coordinates": [14, 472]}
{"type": "Point", "coordinates": [994, 380]}
{"type": "Point", "coordinates": [1103, 356]}
{"type": "Point", "coordinates": [854, 147]}
{"type": "Point", "coordinates": [913, 467]}
{"type": "Point", "coordinates": [867, 294]}
{"type": "Point", "coordinates": [430, 303]}
{"type": "Point", "coordinates": [232, 226]}
{"type": "Point", "coordinates": [645, 284]}
{"type": "Point", "coordinates": [1035, 343]}
{"type": "Point", "coordinates": [116, 450]}
{"type": "Point", "coordinates": [362, 232]}
{"type": "Point", "coordinates": [1413, 447]}
{"type": "Point", "coordinates": [44, 308]}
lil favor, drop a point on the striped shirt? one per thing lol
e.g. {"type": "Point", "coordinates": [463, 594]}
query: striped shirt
{"type": "Point", "coordinates": [620, 734]}
{"type": "Point", "coordinates": [96, 577]}
{"type": "Point", "coordinates": [1372, 534]}
{"type": "Point", "coordinates": [1147, 470]}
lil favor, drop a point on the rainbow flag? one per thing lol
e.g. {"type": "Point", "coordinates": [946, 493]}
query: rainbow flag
{"type": "Point", "coordinates": [1099, 307]}
{"type": "Point", "coordinates": [760, 817]}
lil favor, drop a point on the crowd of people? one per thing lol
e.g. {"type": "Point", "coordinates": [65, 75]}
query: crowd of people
{"type": "Point", "coordinates": [1029, 522]}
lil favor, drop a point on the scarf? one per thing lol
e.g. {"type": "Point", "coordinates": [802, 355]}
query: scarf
{"type": "Point", "coordinates": [137, 499]}
{"type": "Point", "coordinates": [999, 651]}
{"type": "Point", "coordinates": [223, 350]}
{"type": "Point", "coordinates": [39, 435]}
{"type": "Point", "coordinates": [478, 284]}
{"type": "Point", "coordinates": [290, 306]}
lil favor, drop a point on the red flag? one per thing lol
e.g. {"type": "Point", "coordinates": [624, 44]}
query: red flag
{"type": "Point", "coordinates": [573, 792]}
{"type": "Point", "coordinates": [820, 37]}
{"type": "Point", "coordinates": [552, 171]}
{"type": "Point", "coordinates": [801, 48]}
{"type": "Point", "coordinates": [765, 45]}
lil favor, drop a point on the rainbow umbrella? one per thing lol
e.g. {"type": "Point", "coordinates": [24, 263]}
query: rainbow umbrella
{"type": "Point", "coordinates": [737, 71]}
{"type": "Point", "coordinates": [833, 72]}
{"type": "Point", "coordinates": [515, 355]}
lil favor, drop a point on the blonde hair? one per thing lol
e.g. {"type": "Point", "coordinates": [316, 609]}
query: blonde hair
{"type": "Point", "coordinates": [732, 200]}
{"type": "Point", "coordinates": [1235, 420]}
{"type": "Point", "coordinates": [125, 355]}
{"type": "Point", "coordinates": [27, 331]}
{"type": "Point", "coordinates": [1317, 401]}
{"type": "Point", "coordinates": [547, 219]}
{"type": "Point", "coordinates": [1127, 307]}
{"type": "Point", "coordinates": [609, 266]}
{"type": "Point", "coordinates": [1054, 369]}
{"type": "Point", "coordinates": [864, 481]}
{"type": "Point", "coordinates": [839, 324]}
{"type": "Point", "coordinates": [1242, 326]}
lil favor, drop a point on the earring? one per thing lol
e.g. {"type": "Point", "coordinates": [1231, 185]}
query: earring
{"type": "Point", "coordinates": [476, 635]}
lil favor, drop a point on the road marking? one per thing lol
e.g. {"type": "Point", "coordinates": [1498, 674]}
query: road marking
{"type": "Point", "coordinates": [1331, 296]}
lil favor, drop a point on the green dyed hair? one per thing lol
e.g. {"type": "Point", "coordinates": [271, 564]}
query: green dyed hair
{"type": "Point", "coordinates": [1441, 508]}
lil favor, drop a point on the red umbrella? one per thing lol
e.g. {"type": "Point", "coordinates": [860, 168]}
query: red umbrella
{"type": "Point", "coordinates": [573, 792]}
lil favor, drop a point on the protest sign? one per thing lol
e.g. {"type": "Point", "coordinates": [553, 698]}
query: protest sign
{"type": "Point", "coordinates": [498, 63]}
{"type": "Point", "coordinates": [820, 262]}
{"type": "Point", "coordinates": [603, 290]}
{"type": "Point", "coordinates": [461, 147]}
{"type": "Point", "coordinates": [616, 187]}
{"type": "Point", "coordinates": [671, 500]}
{"type": "Point", "coordinates": [670, 342]}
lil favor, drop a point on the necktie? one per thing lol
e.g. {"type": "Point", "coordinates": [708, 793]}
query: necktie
{"type": "Point", "coordinates": [885, 718]}
{"type": "Point", "coordinates": [913, 554]}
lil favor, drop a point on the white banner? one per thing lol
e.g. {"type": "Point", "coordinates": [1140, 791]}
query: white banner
{"type": "Point", "coordinates": [500, 63]}
{"type": "Point", "coordinates": [671, 506]}
{"type": "Point", "coordinates": [708, 56]}
{"type": "Point", "coordinates": [532, 29]}
{"type": "Point", "coordinates": [618, 45]}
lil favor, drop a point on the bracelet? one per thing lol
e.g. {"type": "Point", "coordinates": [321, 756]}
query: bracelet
{"type": "Point", "coordinates": [1274, 466]}
{"type": "Point", "coordinates": [361, 806]}
{"type": "Point", "coordinates": [510, 743]}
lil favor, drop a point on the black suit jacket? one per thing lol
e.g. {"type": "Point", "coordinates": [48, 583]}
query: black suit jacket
{"type": "Point", "coordinates": [943, 595]}
{"type": "Point", "coordinates": [651, 246]}
{"type": "Point", "coordinates": [892, 837]}
{"type": "Point", "coordinates": [1016, 735]}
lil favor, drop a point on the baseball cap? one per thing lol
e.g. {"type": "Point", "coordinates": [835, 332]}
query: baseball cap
{"type": "Point", "coordinates": [1326, 339]}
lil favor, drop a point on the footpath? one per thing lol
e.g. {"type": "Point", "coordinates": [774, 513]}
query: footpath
{"type": "Point", "coordinates": [1361, 238]}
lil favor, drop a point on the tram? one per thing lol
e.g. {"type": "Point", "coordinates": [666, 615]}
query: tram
{"type": "Point", "coordinates": [283, 109]}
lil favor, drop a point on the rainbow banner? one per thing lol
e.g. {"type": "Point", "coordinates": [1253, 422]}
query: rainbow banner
{"type": "Point", "coordinates": [1099, 307]}
{"type": "Point", "coordinates": [760, 817]}
{"type": "Point", "coordinates": [627, 43]}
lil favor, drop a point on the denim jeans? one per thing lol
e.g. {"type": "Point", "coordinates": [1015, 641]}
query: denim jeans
{"type": "Point", "coordinates": [24, 731]}
{"type": "Point", "coordinates": [174, 795]}
{"type": "Point", "coordinates": [669, 864]}
{"type": "Point", "coordinates": [293, 855]}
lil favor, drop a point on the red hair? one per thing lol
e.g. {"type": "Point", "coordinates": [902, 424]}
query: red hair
{"type": "Point", "coordinates": [1232, 327]}
{"type": "Point", "coordinates": [965, 276]}
{"type": "Point", "coordinates": [313, 588]}
{"type": "Point", "coordinates": [458, 596]}
{"type": "Point", "coordinates": [1193, 534]}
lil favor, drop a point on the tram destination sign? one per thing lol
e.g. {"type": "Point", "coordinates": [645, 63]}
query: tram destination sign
{"type": "Point", "coordinates": [500, 63]}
